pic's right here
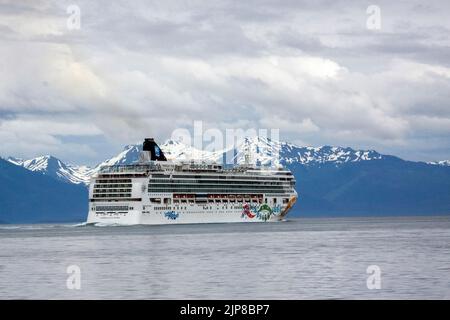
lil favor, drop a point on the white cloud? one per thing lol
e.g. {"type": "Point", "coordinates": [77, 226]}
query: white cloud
{"type": "Point", "coordinates": [56, 127]}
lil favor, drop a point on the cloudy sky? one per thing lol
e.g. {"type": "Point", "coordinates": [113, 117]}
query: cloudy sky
{"type": "Point", "coordinates": [135, 69]}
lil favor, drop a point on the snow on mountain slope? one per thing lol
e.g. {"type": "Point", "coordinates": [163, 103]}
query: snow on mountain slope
{"type": "Point", "coordinates": [266, 152]}
{"type": "Point", "coordinates": [129, 155]}
{"type": "Point", "coordinates": [175, 150]}
{"type": "Point", "coordinates": [55, 168]}
{"type": "Point", "coordinates": [440, 163]}
{"type": "Point", "coordinates": [324, 154]}
{"type": "Point", "coordinates": [16, 161]}
{"type": "Point", "coordinates": [260, 150]}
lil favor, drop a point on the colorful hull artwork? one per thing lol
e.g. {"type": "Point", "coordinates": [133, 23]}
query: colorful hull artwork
{"type": "Point", "coordinates": [263, 212]}
{"type": "Point", "coordinates": [171, 215]}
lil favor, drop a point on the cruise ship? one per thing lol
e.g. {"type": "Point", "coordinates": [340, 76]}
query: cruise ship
{"type": "Point", "coordinates": [156, 191]}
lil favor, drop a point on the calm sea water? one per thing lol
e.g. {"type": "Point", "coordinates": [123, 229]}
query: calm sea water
{"type": "Point", "coordinates": [297, 259]}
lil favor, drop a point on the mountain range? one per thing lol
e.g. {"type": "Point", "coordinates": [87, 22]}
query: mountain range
{"type": "Point", "coordinates": [28, 197]}
{"type": "Point", "coordinates": [331, 181]}
{"type": "Point", "coordinates": [263, 151]}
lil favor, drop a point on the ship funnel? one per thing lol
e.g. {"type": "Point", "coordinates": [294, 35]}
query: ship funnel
{"type": "Point", "coordinates": [152, 151]}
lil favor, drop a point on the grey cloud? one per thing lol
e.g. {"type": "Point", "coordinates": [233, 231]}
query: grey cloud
{"type": "Point", "coordinates": [311, 67]}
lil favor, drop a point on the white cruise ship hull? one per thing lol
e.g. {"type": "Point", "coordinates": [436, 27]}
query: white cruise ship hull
{"type": "Point", "coordinates": [188, 213]}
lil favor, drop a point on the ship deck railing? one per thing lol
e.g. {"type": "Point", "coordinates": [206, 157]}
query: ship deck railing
{"type": "Point", "coordinates": [180, 167]}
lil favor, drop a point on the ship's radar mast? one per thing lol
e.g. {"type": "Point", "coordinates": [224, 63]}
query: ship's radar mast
{"type": "Point", "coordinates": [247, 154]}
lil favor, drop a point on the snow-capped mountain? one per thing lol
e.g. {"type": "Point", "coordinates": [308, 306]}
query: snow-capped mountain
{"type": "Point", "coordinates": [256, 150]}
{"type": "Point", "coordinates": [173, 150]}
{"type": "Point", "coordinates": [129, 155]}
{"type": "Point", "coordinates": [259, 150]}
{"type": "Point", "coordinates": [53, 167]}
{"type": "Point", "coordinates": [440, 163]}
{"type": "Point", "coordinates": [266, 152]}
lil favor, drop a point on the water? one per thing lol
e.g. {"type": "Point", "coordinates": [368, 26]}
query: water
{"type": "Point", "coordinates": [298, 259]}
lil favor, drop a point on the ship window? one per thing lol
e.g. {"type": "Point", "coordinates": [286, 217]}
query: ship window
{"type": "Point", "coordinates": [274, 200]}
{"type": "Point", "coordinates": [155, 200]}
{"type": "Point", "coordinates": [286, 200]}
